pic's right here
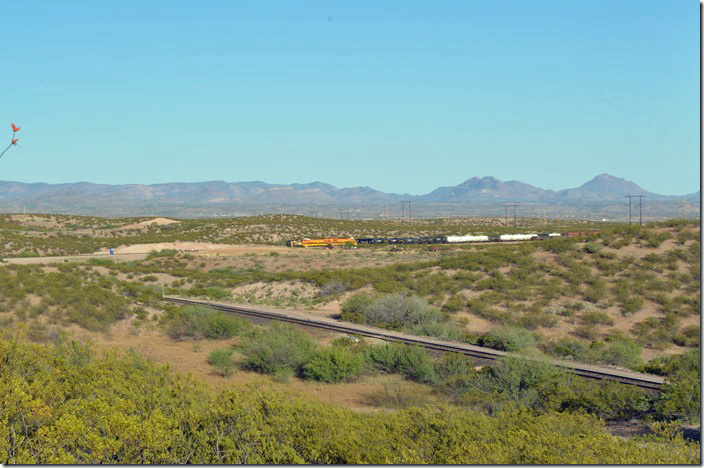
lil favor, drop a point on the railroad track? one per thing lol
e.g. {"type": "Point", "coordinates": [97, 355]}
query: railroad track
{"type": "Point", "coordinates": [652, 382]}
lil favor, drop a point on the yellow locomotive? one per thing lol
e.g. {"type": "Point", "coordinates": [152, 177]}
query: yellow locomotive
{"type": "Point", "coordinates": [326, 242]}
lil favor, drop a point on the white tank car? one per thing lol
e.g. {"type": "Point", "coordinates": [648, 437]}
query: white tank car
{"type": "Point", "coordinates": [454, 239]}
{"type": "Point", "coordinates": [516, 237]}
{"type": "Point", "coordinates": [554, 234]}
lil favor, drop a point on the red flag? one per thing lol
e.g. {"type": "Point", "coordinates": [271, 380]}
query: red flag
{"type": "Point", "coordinates": [14, 128]}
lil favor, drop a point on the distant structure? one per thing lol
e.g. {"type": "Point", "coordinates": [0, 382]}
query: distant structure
{"type": "Point", "coordinates": [514, 213]}
{"type": "Point", "coordinates": [630, 211]}
{"type": "Point", "coordinates": [406, 208]}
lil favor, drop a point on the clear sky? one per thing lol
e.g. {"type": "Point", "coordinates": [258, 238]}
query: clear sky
{"type": "Point", "coordinates": [403, 96]}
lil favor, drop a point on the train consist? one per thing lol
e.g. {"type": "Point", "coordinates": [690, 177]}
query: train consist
{"type": "Point", "coordinates": [333, 241]}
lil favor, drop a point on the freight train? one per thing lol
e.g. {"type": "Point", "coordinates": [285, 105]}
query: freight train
{"type": "Point", "coordinates": [429, 239]}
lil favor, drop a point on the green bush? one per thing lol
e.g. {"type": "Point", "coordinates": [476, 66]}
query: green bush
{"type": "Point", "coordinates": [384, 357]}
{"type": "Point", "coordinates": [397, 311]}
{"type": "Point", "coordinates": [596, 317]}
{"type": "Point", "coordinates": [567, 348]}
{"type": "Point", "coordinates": [221, 359]}
{"type": "Point", "coordinates": [179, 421]}
{"type": "Point", "coordinates": [276, 348]}
{"type": "Point", "coordinates": [334, 364]}
{"type": "Point", "coordinates": [453, 367]}
{"type": "Point", "coordinates": [415, 363]}
{"type": "Point", "coordinates": [508, 339]}
{"type": "Point", "coordinates": [593, 248]}
{"type": "Point", "coordinates": [618, 351]}
{"type": "Point", "coordinates": [680, 399]}
{"type": "Point", "coordinates": [454, 304]}
{"type": "Point", "coordinates": [354, 309]}
{"type": "Point", "coordinates": [533, 384]}
{"type": "Point", "coordinates": [608, 400]}
{"type": "Point", "coordinates": [196, 322]}
{"type": "Point", "coordinates": [412, 361]}
{"type": "Point", "coordinates": [689, 336]}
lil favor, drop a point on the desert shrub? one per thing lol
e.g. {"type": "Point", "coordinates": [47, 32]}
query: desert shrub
{"type": "Point", "coordinates": [533, 384]}
{"type": "Point", "coordinates": [399, 395]}
{"type": "Point", "coordinates": [332, 288]}
{"type": "Point", "coordinates": [221, 359]}
{"type": "Point", "coordinates": [657, 239]}
{"type": "Point", "coordinates": [618, 351]}
{"type": "Point", "coordinates": [508, 339]}
{"type": "Point", "coordinates": [397, 311]}
{"type": "Point", "coordinates": [196, 322]}
{"type": "Point", "coordinates": [454, 304]}
{"type": "Point", "coordinates": [161, 253]}
{"type": "Point", "coordinates": [452, 372]}
{"type": "Point", "coordinates": [277, 348]}
{"type": "Point", "coordinates": [631, 305]}
{"type": "Point", "coordinates": [334, 364]}
{"type": "Point", "coordinates": [355, 307]}
{"type": "Point", "coordinates": [567, 348]}
{"type": "Point", "coordinates": [219, 326]}
{"type": "Point", "coordinates": [588, 332]}
{"type": "Point", "coordinates": [38, 333]}
{"type": "Point", "coordinates": [412, 361]}
{"type": "Point", "coordinates": [689, 336]}
{"type": "Point", "coordinates": [593, 248]}
{"type": "Point", "coordinates": [596, 317]}
{"type": "Point", "coordinates": [596, 291]}
{"type": "Point", "coordinates": [681, 396]}
{"type": "Point", "coordinates": [608, 400]}
{"type": "Point", "coordinates": [384, 357]}
{"type": "Point", "coordinates": [415, 363]}
{"type": "Point", "coordinates": [536, 318]}
{"type": "Point", "coordinates": [558, 245]}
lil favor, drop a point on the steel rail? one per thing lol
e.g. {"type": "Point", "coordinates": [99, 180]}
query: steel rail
{"type": "Point", "coordinates": [652, 382]}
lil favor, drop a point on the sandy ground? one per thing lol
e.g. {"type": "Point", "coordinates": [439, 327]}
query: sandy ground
{"type": "Point", "coordinates": [150, 222]}
{"type": "Point", "coordinates": [140, 251]}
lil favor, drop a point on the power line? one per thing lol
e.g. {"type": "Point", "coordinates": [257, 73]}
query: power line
{"type": "Point", "coordinates": [404, 204]}
{"type": "Point", "coordinates": [630, 211]}
{"type": "Point", "coordinates": [514, 213]}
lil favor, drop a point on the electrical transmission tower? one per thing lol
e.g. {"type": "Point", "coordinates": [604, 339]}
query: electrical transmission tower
{"type": "Point", "coordinates": [345, 213]}
{"type": "Point", "coordinates": [514, 213]}
{"type": "Point", "coordinates": [630, 211]}
{"type": "Point", "coordinates": [406, 207]}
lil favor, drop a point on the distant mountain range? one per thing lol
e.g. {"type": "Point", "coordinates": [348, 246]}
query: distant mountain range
{"type": "Point", "coordinates": [84, 197]}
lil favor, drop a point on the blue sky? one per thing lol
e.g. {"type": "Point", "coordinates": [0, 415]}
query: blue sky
{"type": "Point", "coordinates": [401, 96]}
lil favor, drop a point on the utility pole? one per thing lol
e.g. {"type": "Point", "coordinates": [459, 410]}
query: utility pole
{"type": "Point", "coordinates": [640, 206]}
